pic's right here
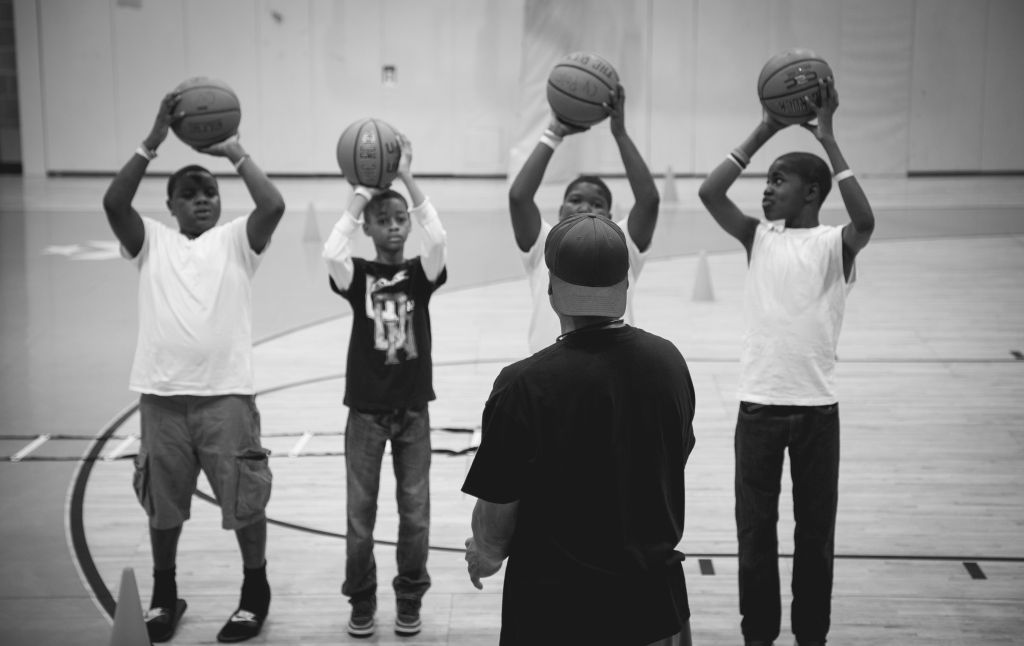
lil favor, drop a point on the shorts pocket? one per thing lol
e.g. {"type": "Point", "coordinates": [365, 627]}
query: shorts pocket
{"type": "Point", "coordinates": [140, 483]}
{"type": "Point", "coordinates": [254, 482]}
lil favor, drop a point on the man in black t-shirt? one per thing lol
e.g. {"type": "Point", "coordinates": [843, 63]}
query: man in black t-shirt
{"type": "Point", "coordinates": [579, 475]}
{"type": "Point", "coordinates": [389, 381]}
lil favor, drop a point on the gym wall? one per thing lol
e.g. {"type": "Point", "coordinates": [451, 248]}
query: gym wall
{"type": "Point", "coordinates": [925, 86]}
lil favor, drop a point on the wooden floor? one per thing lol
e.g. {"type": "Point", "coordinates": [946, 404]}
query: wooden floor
{"type": "Point", "coordinates": [930, 538]}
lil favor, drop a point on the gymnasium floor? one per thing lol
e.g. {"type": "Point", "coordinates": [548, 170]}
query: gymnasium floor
{"type": "Point", "coordinates": [931, 520]}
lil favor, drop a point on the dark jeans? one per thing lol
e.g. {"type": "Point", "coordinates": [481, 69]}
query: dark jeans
{"type": "Point", "coordinates": [763, 433]}
{"type": "Point", "coordinates": [366, 435]}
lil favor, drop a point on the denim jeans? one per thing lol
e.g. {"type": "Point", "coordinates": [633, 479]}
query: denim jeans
{"type": "Point", "coordinates": [365, 437]}
{"type": "Point", "coordinates": [811, 434]}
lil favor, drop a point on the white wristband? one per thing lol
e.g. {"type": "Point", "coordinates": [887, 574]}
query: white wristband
{"type": "Point", "coordinates": [550, 139]}
{"type": "Point", "coordinates": [241, 160]}
{"type": "Point", "coordinates": [145, 153]}
{"type": "Point", "coordinates": [843, 174]}
{"type": "Point", "coordinates": [365, 192]}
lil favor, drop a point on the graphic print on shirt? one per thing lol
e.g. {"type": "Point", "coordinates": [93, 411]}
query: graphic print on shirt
{"type": "Point", "coordinates": [391, 310]}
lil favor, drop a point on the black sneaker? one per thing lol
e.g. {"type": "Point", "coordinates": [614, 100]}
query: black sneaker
{"type": "Point", "coordinates": [162, 622]}
{"type": "Point", "coordinates": [242, 625]}
{"type": "Point", "coordinates": [360, 622]}
{"type": "Point", "coordinates": [407, 618]}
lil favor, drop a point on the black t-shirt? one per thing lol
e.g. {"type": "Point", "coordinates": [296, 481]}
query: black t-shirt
{"type": "Point", "coordinates": [389, 363]}
{"type": "Point", "coordinates": [591, 435]}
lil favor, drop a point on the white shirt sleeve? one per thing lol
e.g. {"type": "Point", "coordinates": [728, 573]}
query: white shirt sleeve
{"type": "Point", "coordinates": [434, 253]}
{"type": "Point", "coordinates": [337, 251]}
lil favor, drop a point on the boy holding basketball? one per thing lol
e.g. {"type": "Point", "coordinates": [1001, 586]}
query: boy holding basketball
{"type": "Point", "coordinates": [585, 194]}
{"type": "Point", "coordinates": [193, 366]}
{"type": "Point", "coordinates": [800, 273]}
{"type": "Point", "coordinates": [388, 387]}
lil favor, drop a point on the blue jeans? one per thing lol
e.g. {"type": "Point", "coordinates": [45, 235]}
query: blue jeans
{"type": "Point", "coordinates": [366, 435]}
{"type": "Point", "coordinates": [763, 433]}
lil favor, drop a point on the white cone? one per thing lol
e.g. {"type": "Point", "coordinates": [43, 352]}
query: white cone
{"type": "Point", "coordinates": [702, 290]}
{"type": "Point", "coordinates": [312, 233]}
{"type": "Point", "coordinates": [129, 625]}
{"type": "Point", "coordinates": [668, 192]}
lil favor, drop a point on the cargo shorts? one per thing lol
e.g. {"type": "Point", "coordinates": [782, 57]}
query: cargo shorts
{"type": "Point", "coordinates": [220, 435]}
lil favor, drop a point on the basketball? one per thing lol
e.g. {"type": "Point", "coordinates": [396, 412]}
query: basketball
{"type": "Point", "coordinates": [786, 79]}
{"type": "Point", "coordinates": [369, 152]}
{"type": "Point", "coordinates": [212, 112]}
{"type": "Point", "coordinates": [578, 85]}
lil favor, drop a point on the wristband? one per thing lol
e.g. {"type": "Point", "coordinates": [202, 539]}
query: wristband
{"type": "Point", "coordinates": [550, 139]}
{"type": "Point", "coordinates": [740, 156]}
{"type": "Point", "coordinates": [145, 153]}
{"type": "Point", "coordinates": [740, 165]}
{"type": "Point", "coordinates": [241, 160]}
{"type": "Point", "coordinates": [843, 174]}
{"type": "Point", "coordinates": [365, 192]}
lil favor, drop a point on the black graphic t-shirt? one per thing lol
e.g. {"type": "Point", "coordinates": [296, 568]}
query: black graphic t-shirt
{"type": "Point", "coordinates": [389, 363]}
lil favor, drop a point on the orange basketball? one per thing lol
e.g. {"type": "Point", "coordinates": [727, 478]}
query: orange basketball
{"type": "Point", "coordinates": [578, 85]}
{"type": "Point", "coordinates": [789, 77]}
{"type": "Point", "coordinates": [368, 153]}
{"type": "Point", "coordinates": [212, 112]}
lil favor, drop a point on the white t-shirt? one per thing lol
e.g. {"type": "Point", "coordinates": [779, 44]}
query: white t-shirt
{"type": "Point", "coordinates": [195, 311]}
{"type": "Point", "coordinates": [794, 302]}
{"type": "Point", "coordinates": [544, 324]}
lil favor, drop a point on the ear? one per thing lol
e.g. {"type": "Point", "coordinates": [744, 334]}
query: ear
{"type": "Point", "coordinates": [812, 193]}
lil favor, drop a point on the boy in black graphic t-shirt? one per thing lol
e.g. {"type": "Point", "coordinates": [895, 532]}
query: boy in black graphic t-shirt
{"type": "Point", "coordinates": [388, 386]}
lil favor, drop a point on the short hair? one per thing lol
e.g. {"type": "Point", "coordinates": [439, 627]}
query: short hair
{"type": "Point", "coordinates": [590, 179]}
{"type": "Point", "coordinates": [374, 204]}
{"type": "Point", "coordinates": [810, 168]}
{"type": "Point", "coordinates": [191, 169]}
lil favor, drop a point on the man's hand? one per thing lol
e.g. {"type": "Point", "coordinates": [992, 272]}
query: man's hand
{"type": "Point", "coordinates": [479, 566]}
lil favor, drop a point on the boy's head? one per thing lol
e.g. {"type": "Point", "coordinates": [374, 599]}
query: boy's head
{"type": "Point", "coordinates": [798, 183]}
{"type": "Point", "coordinates": [193, 198]}
{"type": "Point", "coordinates": [586, 194]}
{"type": "Point", "coordinates": [386, 221]}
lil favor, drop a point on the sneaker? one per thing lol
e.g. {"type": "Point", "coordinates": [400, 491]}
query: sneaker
{"type": "Point", "coordinates": [360, 622]}
{"type": "Point", "coordinates": [242, 625]}
{"type": "Point", "coordinates": [161, 622]}
{"type": "Point", "coordinates": [407, 618]}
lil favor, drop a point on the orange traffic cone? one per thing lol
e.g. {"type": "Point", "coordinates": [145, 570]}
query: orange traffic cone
{"type": "Point", "coordinates": [129, 625]}
{"type": "Point", "coordinates": [702, 290]}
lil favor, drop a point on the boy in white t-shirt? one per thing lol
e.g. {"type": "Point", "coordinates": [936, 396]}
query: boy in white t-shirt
{"type": "Point", "coordinates": [193, 366]}
{"type": "Point", "coordinates": [585, 194]}
{"type": "Point", "coordinates": [799, 275]}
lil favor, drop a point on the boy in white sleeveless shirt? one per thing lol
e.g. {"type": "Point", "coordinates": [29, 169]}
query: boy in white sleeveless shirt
{"type": "Point", "coordinates": [193, 366]}
{"type": "Point", "coordinates": [800, 272]}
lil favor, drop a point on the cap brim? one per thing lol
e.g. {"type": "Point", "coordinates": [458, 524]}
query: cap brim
{"type": "Point", "coordinates": [578, 300]}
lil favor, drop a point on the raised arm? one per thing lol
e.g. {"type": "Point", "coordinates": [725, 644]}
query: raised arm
{"type": "Point", "coordinates": [493, 526]}
{"type": "Point", "coordinates": [434, 252]}
{"type": "Point", "coordinates": [522, 207]}
{"type": "Point", "coordinates": [337, 251]}
{"type": "Point", "coordinates": [713, 190]}
{"type": "Point", "coordinates": [269, 202]}
{"type": "Point", "coordinates": [858, 232]}
{"type": "Point", "coordinates": [643, 217]}
{"type": "Point", "coordinates": [124, 220]}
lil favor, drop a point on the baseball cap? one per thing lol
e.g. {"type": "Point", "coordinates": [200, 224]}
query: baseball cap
{"type": "Point", "coordinates": [589, 266]}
